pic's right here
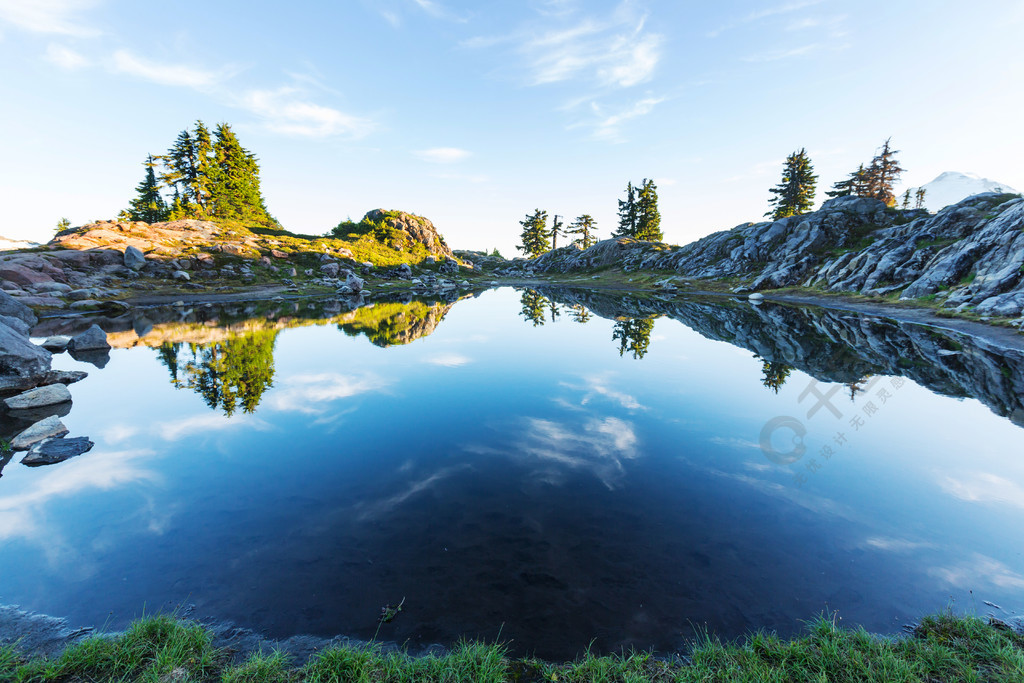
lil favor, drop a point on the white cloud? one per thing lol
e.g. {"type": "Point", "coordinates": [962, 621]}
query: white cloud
{"type": "Point", "coordinates": [173, 430]}
{"type": "Point", "coordinates": [285, 111]}
{"type": "Point", "coordinates": [776, 55]}
{"type": "Point", "coordinates": [984, 487]}
{"type": "Point", "coordinates": [165, 74]}
{"type": "Point", "coordinates": [311, 394]}
{"type": "Point", "coordinates": [598, 385]}
{"type": "Point", "coordinates": [598, 446]}
{"type": "Point", "coordinates": [437, 10]}
{"type": "Point", "coordinates": [65, 57]}
{"type": "Point", "coordinates": [443, 155]}
{"type": "Point", "coordinates": [755, 16]}
{"type": "Point", "coordinates": [614, 51]}
{"type": "Point", "coordinates": [606, 126]}
{"type": "Point", "coordinates": [391, 18]}
{"type": "Point", "coordinates": [49, 16]}
{"type": "Point", "coordinates": [449, 360]}
{"type": "Point", "coordinates": [977, 571]}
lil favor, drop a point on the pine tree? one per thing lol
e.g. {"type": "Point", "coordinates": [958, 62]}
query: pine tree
{"type": "Point", "coordinates": [882, 175]}
{"type": "Point", "coordinates": [906, 200]}
{"type": "Point", "coordinates": [627, 214]}
{"type": "Point", "coordinates": [180, 169]}
{"type": "Point", "coordinates": [556, 230]}
{"type": "Point", "coordinates": [535, 234]}
{"type": "Point", "coordinates": [919, 198]}
{"type": "Point", "coordinates": [794, 195]}
{"type": "Point", "coordinates": [855, 185]}
{"type": "Point", "coordinates": [148, 206]}
{"type": "Point", "coordinates": [648, 218]}
{"type": "Point", "coordinates": [63, 224]}
{"type": "Point", "coordinates": [584, 227]}
{"type": "Point", "coordinates": [234, 185]}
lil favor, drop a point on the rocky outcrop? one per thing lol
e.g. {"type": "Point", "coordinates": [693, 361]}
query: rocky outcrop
{"type": "Point", "coordinates": [969, 254]}
{"type": "Point", "coordinates": [54, 450]}
{"type": "Point", "coordinates": [839, 346]}
{"type": "Point", "coordinates": [22, 363]}
{"type": "Point", "coordinates": [415, 228]}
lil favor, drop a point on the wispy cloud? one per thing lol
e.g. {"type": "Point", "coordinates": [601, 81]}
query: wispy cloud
{"type": "Point", "coordinates": [166, 74]}
{"type": "Point", "coordinates": [757, 15]}
{"type": "Point", "coordinates": [599, 385]}
{"type": "Point", "coordinates": [65, 57]}
{"type": "Point", "coordinates": [984, 487]}
{"type": "Point", "coordinates": [608, 126]}
{"type": "Point", "coordinates": [977, 571]}
{"type": "Point", "coordinates": [49, 16]}
{"type": "Point", "coordinates": [442, 155]}
{"type": "Point", "coordinates": [612, 51]}
{"type": "Point", "coordinates": [313, 394]}
{"type": "Point", "coordinates": [173, 430]}
{"type": "Point", "coordinates": [785, 53]}
{"type": "Point", "coordinates": [449, 360]}
{"type": "Point", "coordinates": [437, 10]}
{"type": "Point", "coordinates": [286, 110]}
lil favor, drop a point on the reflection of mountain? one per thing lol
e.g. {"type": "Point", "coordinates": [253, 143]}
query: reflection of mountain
{"type": "Point", "coordinates": [390, 324]}
{"type": "Point", "coordinates": [840, 346]}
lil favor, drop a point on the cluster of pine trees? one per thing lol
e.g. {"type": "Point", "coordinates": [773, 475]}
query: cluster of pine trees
{"type": "Point", "coordinates": [639, 218]}
{"type": "Point", "coordinates": [794, 195]}
{"type": "Point", "coordinates": [210, 177]}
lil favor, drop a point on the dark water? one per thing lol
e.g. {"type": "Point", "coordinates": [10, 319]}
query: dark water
{"type": "Point", "coordinates": [622, 474]}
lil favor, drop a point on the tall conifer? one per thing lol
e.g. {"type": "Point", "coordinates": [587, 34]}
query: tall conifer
{"type": "Point", "coordinates": [648, 217]}
{"type": "Point", "coordinates": [148, 205]}
{"type": "Point", "coordinates": [794, 194]}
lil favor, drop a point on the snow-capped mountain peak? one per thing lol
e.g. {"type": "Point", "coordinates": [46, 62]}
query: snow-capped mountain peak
{"type": "Point", "coordinates": [953, 186]}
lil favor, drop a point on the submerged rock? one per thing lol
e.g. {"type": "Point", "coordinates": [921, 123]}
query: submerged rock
{"type": "Point", "coordinates": [54, 450]}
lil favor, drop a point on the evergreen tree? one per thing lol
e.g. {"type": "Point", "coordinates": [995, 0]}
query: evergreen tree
{"type": "Point", "coordinates": [919, 198]}
{"type": "Point", "coordinates": [854, 185]}
{"type": "Point", "coordinates": [234, 176]}
{"type": "Point", "coordinates": [63, 224]}
{"type": "Point", "coordinates": [584, 227]}
{"type": "Point", "coordinates": [627, 214]}
{"type": "Point", "coordinates": [882, 175]}
{"type": "Point", "coordinates": [648, 218]}
{"type": "Point", "coordinates": [794, 195]}
{"type": "Point", "coordinates": [535, 234]}
{"type": "Point", "coordinates": [179, 171]}
{"type": "Point", "coordinates": [906, 200]}
{"type": "Point", "coordinates": [556, 230]}
{"type": "Point", "coordinates": [148, 206]}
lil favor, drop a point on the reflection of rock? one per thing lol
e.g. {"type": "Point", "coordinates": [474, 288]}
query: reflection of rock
{"type": "Point", "coordinates": [97, 358]}
{"type": "Point", "coordinates": [39, 397]}
{"type": "Point", "coordinates": [44, 429]}
{"type": "Point", "coordinates": [30, 416]}
{"type": "Point", "coordinates": [64, 376]}
{"type": "Point", "coordinates": [55, 450]}
{"type": "Point", "coordinates": [841, 346]}
{"type": "Point", "coordinates": [93, 339]}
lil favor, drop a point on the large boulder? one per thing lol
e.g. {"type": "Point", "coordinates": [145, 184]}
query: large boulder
{"type": "Point", "coordinates": [22, 363]}
{"type": "Point", "coordinates": [411, 229]}
{"type": "Point", "coordinates": [354, 283]}
{"type": "Point", "coordinates": [10, 306]}
{"type": "Point", "coordinates": [41, 396]}
{"type": "Point", "coordinates": [93, 339]}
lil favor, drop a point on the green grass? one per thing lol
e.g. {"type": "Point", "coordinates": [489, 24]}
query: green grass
{"type": "Point", "coordinates": [162, 650]}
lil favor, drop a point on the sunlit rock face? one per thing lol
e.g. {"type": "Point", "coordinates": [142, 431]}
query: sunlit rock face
{"type": "Point", "coordinates": [968, 254]}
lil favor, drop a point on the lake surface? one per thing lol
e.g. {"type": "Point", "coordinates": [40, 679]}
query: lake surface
{"type": "Point", "coordinates": [555, 469]}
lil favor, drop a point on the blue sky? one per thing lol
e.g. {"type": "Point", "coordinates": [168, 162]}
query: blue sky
{"type": "Point", "coordinates": [473, 114]}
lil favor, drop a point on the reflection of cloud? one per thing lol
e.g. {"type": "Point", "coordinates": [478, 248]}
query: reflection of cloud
{"type": "Point", "coordinates": [977, 570]}
{"type": "Point", "coordinates": [449, 360]}
{"type": "Point", "coordinates": [734, 442]}
{"type": "Point", "coordinates": [895, 545]}
{"type": "Point", "coordinates": [598, 446]}
{"type": "Point", "coordinates": [983, 487]}
{"type": "Point", "coordinates": [380, 508]}
{"type": "Point", "coordinates": [309, 393]}
{"type": "Point", "coordinates": [24, 514]}
{"type": "Point", "coordinates": [118, 433]}
{"type": "Point", "coordinates": [206, 422]}
{"type": "Point", "coordinates": [597, 385]}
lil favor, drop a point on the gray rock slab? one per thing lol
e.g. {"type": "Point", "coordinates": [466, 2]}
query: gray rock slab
{"type": "Point", "coordinates": [44, 429]}
{"type": "Point", "coordinates": [93, 339]}
{"type": "Point", "coordinates": [49, 395]}
{"type": "Point", "coordinates": [54, 450]}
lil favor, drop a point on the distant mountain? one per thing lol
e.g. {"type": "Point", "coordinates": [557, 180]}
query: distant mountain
{"type": "Point", "coordinates": [952, 187]}
{"type": "Point", "coordinates": [8, 245]}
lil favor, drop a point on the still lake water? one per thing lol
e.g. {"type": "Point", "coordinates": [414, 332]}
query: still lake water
{"type": "Point", "coordinates": [606, 477]}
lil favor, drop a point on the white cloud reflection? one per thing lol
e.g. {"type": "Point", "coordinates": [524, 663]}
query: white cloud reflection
{"type": "Point", "coordinates": [312, 394]}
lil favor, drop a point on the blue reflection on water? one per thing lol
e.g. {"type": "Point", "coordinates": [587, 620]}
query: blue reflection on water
{"type": "Point", "coordinates": [519, 479]}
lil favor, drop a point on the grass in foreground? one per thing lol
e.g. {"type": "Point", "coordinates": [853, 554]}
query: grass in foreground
{"type": "Point", "coordinates": [163, 650]}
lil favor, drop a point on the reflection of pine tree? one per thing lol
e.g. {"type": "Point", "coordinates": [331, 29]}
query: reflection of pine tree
{"type": "Point", "coordinates": [553, 308]}
{"type": "Point", "coordinates": [227, 374]}
{"type": "Point", "coordinates": [857, 387]}
{"type": "Point", "coordinates": [534, 305]}
{"type": "Point", "coordinates": [633, 335]}
{"type": "Point", "coordinates": [774, 374]}
{"type": "Point", "coordinates": [580, 314]}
